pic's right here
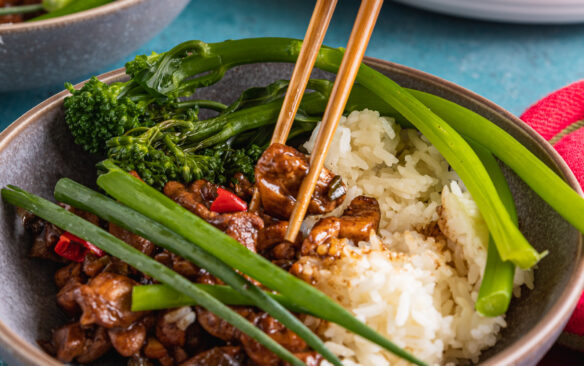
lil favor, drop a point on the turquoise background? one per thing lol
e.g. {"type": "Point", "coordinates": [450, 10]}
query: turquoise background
{"type": "Point", "coordinates": [513, 65]}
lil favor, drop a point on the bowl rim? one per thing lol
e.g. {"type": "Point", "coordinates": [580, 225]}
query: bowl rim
{"type": "Point", "coordinates": [78, 17]}
{"type": "Point", "coordinates": [538, 337]}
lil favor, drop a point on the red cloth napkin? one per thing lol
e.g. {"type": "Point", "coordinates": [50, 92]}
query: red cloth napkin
{"type": "Point", "coordinates": [551, 117]}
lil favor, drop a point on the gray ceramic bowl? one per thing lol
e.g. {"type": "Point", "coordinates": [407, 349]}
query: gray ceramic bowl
{"type": "Point", "coordinates": [53, 51]}
{"type": "Point", "coordinates": [37, 150]}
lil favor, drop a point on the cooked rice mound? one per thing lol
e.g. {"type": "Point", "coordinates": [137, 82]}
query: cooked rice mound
{"type": "Point", "coordinates": [417, 279]}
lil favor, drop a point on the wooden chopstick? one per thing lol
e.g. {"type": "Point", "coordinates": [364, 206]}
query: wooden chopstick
{"type": "Point", "coordinates": [321, 17]}
{"type": "Point", "coordinates": [319, 22]}
{"type": "Point", "coordinates": [360, 35]}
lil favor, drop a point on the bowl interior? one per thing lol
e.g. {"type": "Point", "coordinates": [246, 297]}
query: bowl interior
{"type": "Point", "coordinates": [38, 150]}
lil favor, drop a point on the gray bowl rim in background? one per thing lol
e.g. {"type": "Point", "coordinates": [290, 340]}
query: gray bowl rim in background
{"type": "Point", "coordinates": [52, 51]}
{"type": "Point", "coordinates": [67, 19]}
{"type": "Point", "coordinates": [536, 342]}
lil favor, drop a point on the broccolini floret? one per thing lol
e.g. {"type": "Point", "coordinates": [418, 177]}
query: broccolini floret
{"type": "Point", "coordinates": [158, 160]}
{"type": "Point", "coordinates": [98, 112]}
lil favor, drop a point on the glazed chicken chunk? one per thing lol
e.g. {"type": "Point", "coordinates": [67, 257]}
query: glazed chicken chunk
{"type": "Point", "coordinates": [279, 173]}
{"type": "Point", "coordinates": [242, 226]}
{"type": "Point", "coordinates": [358, 220]}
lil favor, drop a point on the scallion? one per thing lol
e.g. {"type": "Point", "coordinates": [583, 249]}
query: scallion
{"type": "Point", "coordinates": [77, 195]}
{"type": "Point", "coordinates": [155, 205]}
{"type": "Point", "coordinates": [160, 296]}
{"type": "Point", "coordinates": [497, 284]}
{"type": "Point", "coordinates": [114, 246]}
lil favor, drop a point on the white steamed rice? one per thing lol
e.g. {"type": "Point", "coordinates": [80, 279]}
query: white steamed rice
{"type": "Point", "coordinates": [412, 283]}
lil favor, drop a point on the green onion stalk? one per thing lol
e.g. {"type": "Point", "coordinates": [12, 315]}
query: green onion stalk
{"type": "Point", "coordinates": [79, 196]}
{"type": "Point", "coordinates": [175, 73]}
{"type": "Point", "coordinates": [117, 248]}
{"type": "Point", "coordinates": [151, 203]}
{"type": "Point", "coordinates": [161, 296]}
{"type": "Point", "coordinates": [496, 287]}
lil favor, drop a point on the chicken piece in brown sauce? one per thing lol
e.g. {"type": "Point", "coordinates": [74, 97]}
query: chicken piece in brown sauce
{"type": "Point", "coordinates": [83, 344]}
{"type": "Point", "coordinates": [128, 341]}
{"type": "Point", "coordinates": [279, 173]}
{"type": "Point", "coordinates": [358, 220]}
{"type": "Point", "coordinates": [242, 187]}
{"type": "Point", "coordinates": [138, 242]}
{"type": "Point", "coordinates": [46, 235]}
{"type": "Point", "coordinates": [219, 356]}
{"type": "Point", "coordinates": [271, 244]}
{"type": "Point", "coordinates": [242, 226]}
{"type": "Point", "coordinates": [106, 300]}
{"type": "Point", "coordinates": [220, 328]}
{"type": "Point", "coordinates": [260, 355]}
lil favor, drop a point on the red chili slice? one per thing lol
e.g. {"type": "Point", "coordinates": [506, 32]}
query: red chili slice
{"type": "Point", "coordinates": [69, 249]}
{"type": "Point", "coordinates": [92, 248]}
{"type": "Point", "coordinates": [227, 202]}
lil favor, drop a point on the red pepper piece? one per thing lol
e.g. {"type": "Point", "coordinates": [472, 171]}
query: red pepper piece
{"type": "Point", "coordinates": [227, 202]}
{"type": "Point", "coordinates": [69, 249]}
{"type": "Point", "coordinates": [92, 248]}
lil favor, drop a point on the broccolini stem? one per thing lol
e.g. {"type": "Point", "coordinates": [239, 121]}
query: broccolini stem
{"type": "Point", "coordinates": [452, 146]}
{"type": "Point", "coordinates": [207, 104]}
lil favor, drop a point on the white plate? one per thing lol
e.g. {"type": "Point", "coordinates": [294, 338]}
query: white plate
{"type": "Point", "coordinates": [521, 11]}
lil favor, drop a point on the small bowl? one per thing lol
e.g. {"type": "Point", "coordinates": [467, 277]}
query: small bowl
{"type": "Point", "coordinates": [37, 150]}
{"type": "Point", "coordinates": [52, 51]}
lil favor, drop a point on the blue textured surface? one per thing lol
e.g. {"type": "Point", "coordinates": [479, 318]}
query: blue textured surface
{"type": "Point", "coordinates": [513, 65]}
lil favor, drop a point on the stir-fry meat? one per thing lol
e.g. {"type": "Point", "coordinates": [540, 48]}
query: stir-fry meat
{"type": "Point", "coordinates": [106, 300]}
{"type": "Point", "coordinates": [242, 187]}
{"type": "Point", "coordinates": [218, 356]}
{"type": "Point", "coordinates": [260, 355]}
{"type": "Point", "coordinates": [180, 355]}
{"type": "Point", "coordinates": [66, 298]}
{"type": "Point", "coordinates": [205, 192]}
{"type": "Point", "coordinates": [172, 325]}
{"type": "Point", "coordinates": [138, 242]}
{"type": "Point", "coordinates": [72, 271]}
{"type": "Point", "coordinates": [218, 327]}
{"type": "Point", "coordinates": [93, 265]}
{"type": "Point", "coordinates": [184, 267]}
{"type": "Point", "coordinates": [69, 342]}
{"type": "Point", "coordinates": [139, 361]}
{"type": "Point", "coordinates": [97, 292]}
{"type": "Point", "coordinates": [207, 278]}
{"type": "Point", "coordinates": [46, 235]}
{"type": "Point", "coordinates": [279, 173]}
{"type": "Point", "coordinates": [74, 342]}
{"type": "Point", "coordinates": [97, 343]}
{"type": "Point", "coordinates": [272, 235]}
{"type": "Point", "coordinates": [128, 341]}
{"type": "Point", "coordinates": [44, 243]}
{"type": "Point", "coordinates": [154, 349]}
{"type": "Point", "coordinates": [31, 222]}
{"type": "Point", "coordinates": [178, 264]}
{"type": "Point", "coordinates": [358, 220]}
{"type": "Point", "coordinates": [242, 226]}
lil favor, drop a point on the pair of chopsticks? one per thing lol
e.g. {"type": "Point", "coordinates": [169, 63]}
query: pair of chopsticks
{"type": "Point", "coordinates": [360, 35]}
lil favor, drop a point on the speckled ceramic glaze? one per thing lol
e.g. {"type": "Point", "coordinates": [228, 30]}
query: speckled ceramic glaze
{"type": "Point", "coordinates": [37, 150]}
{"type": "Point", "coordinates": [56, 50]}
